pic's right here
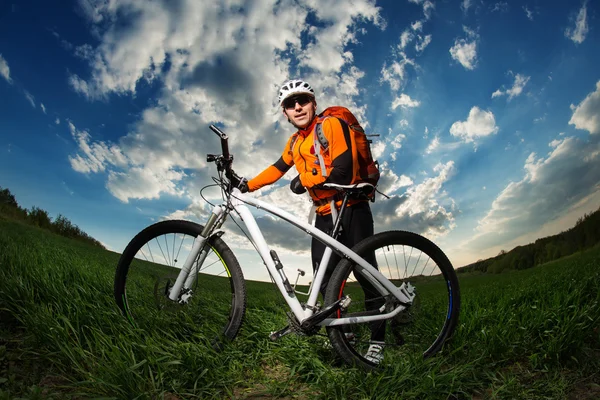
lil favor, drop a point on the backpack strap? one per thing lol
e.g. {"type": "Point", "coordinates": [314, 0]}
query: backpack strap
{"type": "Point", "coordinates": [320, 141]}
{"type": "Point", "coordinates": [320, 135]}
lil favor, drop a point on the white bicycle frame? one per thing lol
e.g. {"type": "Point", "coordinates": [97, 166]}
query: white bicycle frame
{"type": "Point", "coordinates": [239, 202]}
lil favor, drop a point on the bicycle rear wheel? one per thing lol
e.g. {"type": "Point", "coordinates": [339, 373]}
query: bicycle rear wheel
{"type": "Point", "coordinates": [212, 310]}
{"type": "Point", "coordinates": [422, 328]}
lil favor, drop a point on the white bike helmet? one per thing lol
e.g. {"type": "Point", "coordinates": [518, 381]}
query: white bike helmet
{"type": "Point", "coordinates": [294, 86]}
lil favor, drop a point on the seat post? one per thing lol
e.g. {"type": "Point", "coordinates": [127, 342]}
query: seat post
{"type": "Point", "coordinates": [338, 221]}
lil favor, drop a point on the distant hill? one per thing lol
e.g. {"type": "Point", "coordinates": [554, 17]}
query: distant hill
{"type": "Point", "coordinates": [585, 234]}
{"type": "Point", "coordinates": [9, 208]}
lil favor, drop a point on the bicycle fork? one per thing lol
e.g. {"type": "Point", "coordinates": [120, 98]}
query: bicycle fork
{"type": "Point", "coordinates": [185, 279]}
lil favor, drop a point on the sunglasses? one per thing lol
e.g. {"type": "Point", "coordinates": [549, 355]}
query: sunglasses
{"type": "Point", "coordinates": [301, 99]}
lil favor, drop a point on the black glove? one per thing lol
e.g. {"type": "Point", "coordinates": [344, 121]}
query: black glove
{"type": "Point", "coordinates": [296, 185]}
{"type": "Point", "coordinates": [239, 182]}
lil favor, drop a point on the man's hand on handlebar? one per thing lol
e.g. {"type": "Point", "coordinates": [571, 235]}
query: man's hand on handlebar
{"type": "Point", "coordinates": [238, 182]}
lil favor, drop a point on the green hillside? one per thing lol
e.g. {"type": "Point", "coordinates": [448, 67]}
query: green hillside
{"type": "Point", "coordinates": [584, 235]}
{"type": "Point", "coordinates": [526, 334]}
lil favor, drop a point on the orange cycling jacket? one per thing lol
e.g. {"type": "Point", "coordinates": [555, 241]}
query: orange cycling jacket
{"type": "Point", "coordinates": [299, 151]}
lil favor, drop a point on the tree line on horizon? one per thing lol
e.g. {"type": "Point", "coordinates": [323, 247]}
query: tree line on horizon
{"type": "Point", "coordinates": [61, 225]}
{"type": "Point", "coordinates": [584, 235]}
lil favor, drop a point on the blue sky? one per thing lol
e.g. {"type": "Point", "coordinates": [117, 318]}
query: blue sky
{"type": "Point", "coordinates": [488, 112]}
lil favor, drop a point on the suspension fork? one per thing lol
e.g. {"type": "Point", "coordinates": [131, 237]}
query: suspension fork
{"type": "Point", "coordinates": [191, 278]}
{"type": "Point", "coordinates": [197, 265]}
{"type": "Point", "coordinates": [215, 220]}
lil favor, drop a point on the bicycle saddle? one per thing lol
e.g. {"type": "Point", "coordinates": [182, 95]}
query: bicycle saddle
{"type": "Point", "coordinates": [355, 188]}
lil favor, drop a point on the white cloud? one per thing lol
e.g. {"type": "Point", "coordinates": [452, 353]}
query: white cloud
{"type": "Point", "coordinates": [501, 6]}
{"type": "Point", "coordinates": [465, 53]}
{"type": "Point", "coordinates": [330, 41]}
{"type": "Point", "coordinates": [577, 33]}
{"type": "Point", "coordinates": [5, 70]}
{"type": "Point", "coordinates": [29, 98]}
{"type": "Point", "coordinates": [528, 12]}
{"type": "Point", "coordinates": [550, 186]}
{"type": "Point", "coordinates": [377, 149]}
{"type": "Point", "coordinates": [465, 50]}
{"type": "Point", "coordinates": [417, 26]}
{"type": "Point", "coordinates": [405, 38]}
{"type": "Point", "coordinates": [404, 101]}
{"type": "Point", "coordinates": [390, 182]}
{"type": "Point", "coordinates": [94, 156]}
{"type": "Point", "coordinates": [85, 52]}
{"type": "Point", "coordinates": [43, 108]}
{"type": "Point", "coordinates": [419, 209]}
{"type": "Point", "coordinates": [433, 145]}
{"type": "Point", "coordinates": [586, 115]}
{"type": "Point", "coordinates": [515, 90]}
{"type": "Point", "coordinates": [144, 183]}
{"type": "Point", "coordinates": [436, 146]}
{"type": "Point", "coordinates": [396, 141]}
{"type": "Point", "coordinates": [428, 6]}
{"type": "Point", "coordinates": [199, 34]}
{"type": "Point", "coordinates": [140, 181]}
{"type": "Point", "coordinates": [57, 121]}
{"type": "Point", "coordinates": [465, 5]}
{"type": "Point", "coordinates": [395, 73]}
{"type": "Point", "coordinates": [81, 86]}
{"type": "Point", "coordinates": [471, 34]}
{"type": "Point", "coordinates": [479, 124]}
{"type": "Point", "coordinates": [206, 80]}
{"type": "Point", "coordinates": [423, 42]}
{"type": "Point", "coordinates": [391, 145]}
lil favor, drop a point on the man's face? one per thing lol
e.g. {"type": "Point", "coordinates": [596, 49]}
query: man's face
{"type": "Point", "coordinates": [300, 109]}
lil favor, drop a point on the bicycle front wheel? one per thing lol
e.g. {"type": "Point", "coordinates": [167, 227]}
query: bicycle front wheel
{"type": "Point", "coordinates": [422, 328]}
{"type": "Point", "coordinates": [211, 309]}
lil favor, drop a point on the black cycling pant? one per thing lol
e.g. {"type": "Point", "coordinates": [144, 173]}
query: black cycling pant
{"type": "Point", "coordinates": [357, 224]}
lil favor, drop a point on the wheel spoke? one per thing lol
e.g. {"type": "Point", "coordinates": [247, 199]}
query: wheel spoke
{"type": "Point", "coordinates": [161, 251]}
{"type": "Point", "coordinates": [421, 327]}
{"type": "Point", "coordinates": [213, 305]}
{"type": "Point", "coordinates": [417, 264]}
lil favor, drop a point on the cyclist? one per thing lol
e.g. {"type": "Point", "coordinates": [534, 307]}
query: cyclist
{"type": "Point", "coordinates": [297, 99]}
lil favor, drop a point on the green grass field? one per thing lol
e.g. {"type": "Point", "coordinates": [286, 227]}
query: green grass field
{"type": "Point", "coordinates": [523, 335]}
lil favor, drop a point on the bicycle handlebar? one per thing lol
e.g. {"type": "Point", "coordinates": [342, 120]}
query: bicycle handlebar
{"type": "Point", "coordinates": [224, 162]}
{"type": "Point", "coordinates": [224, 144]}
